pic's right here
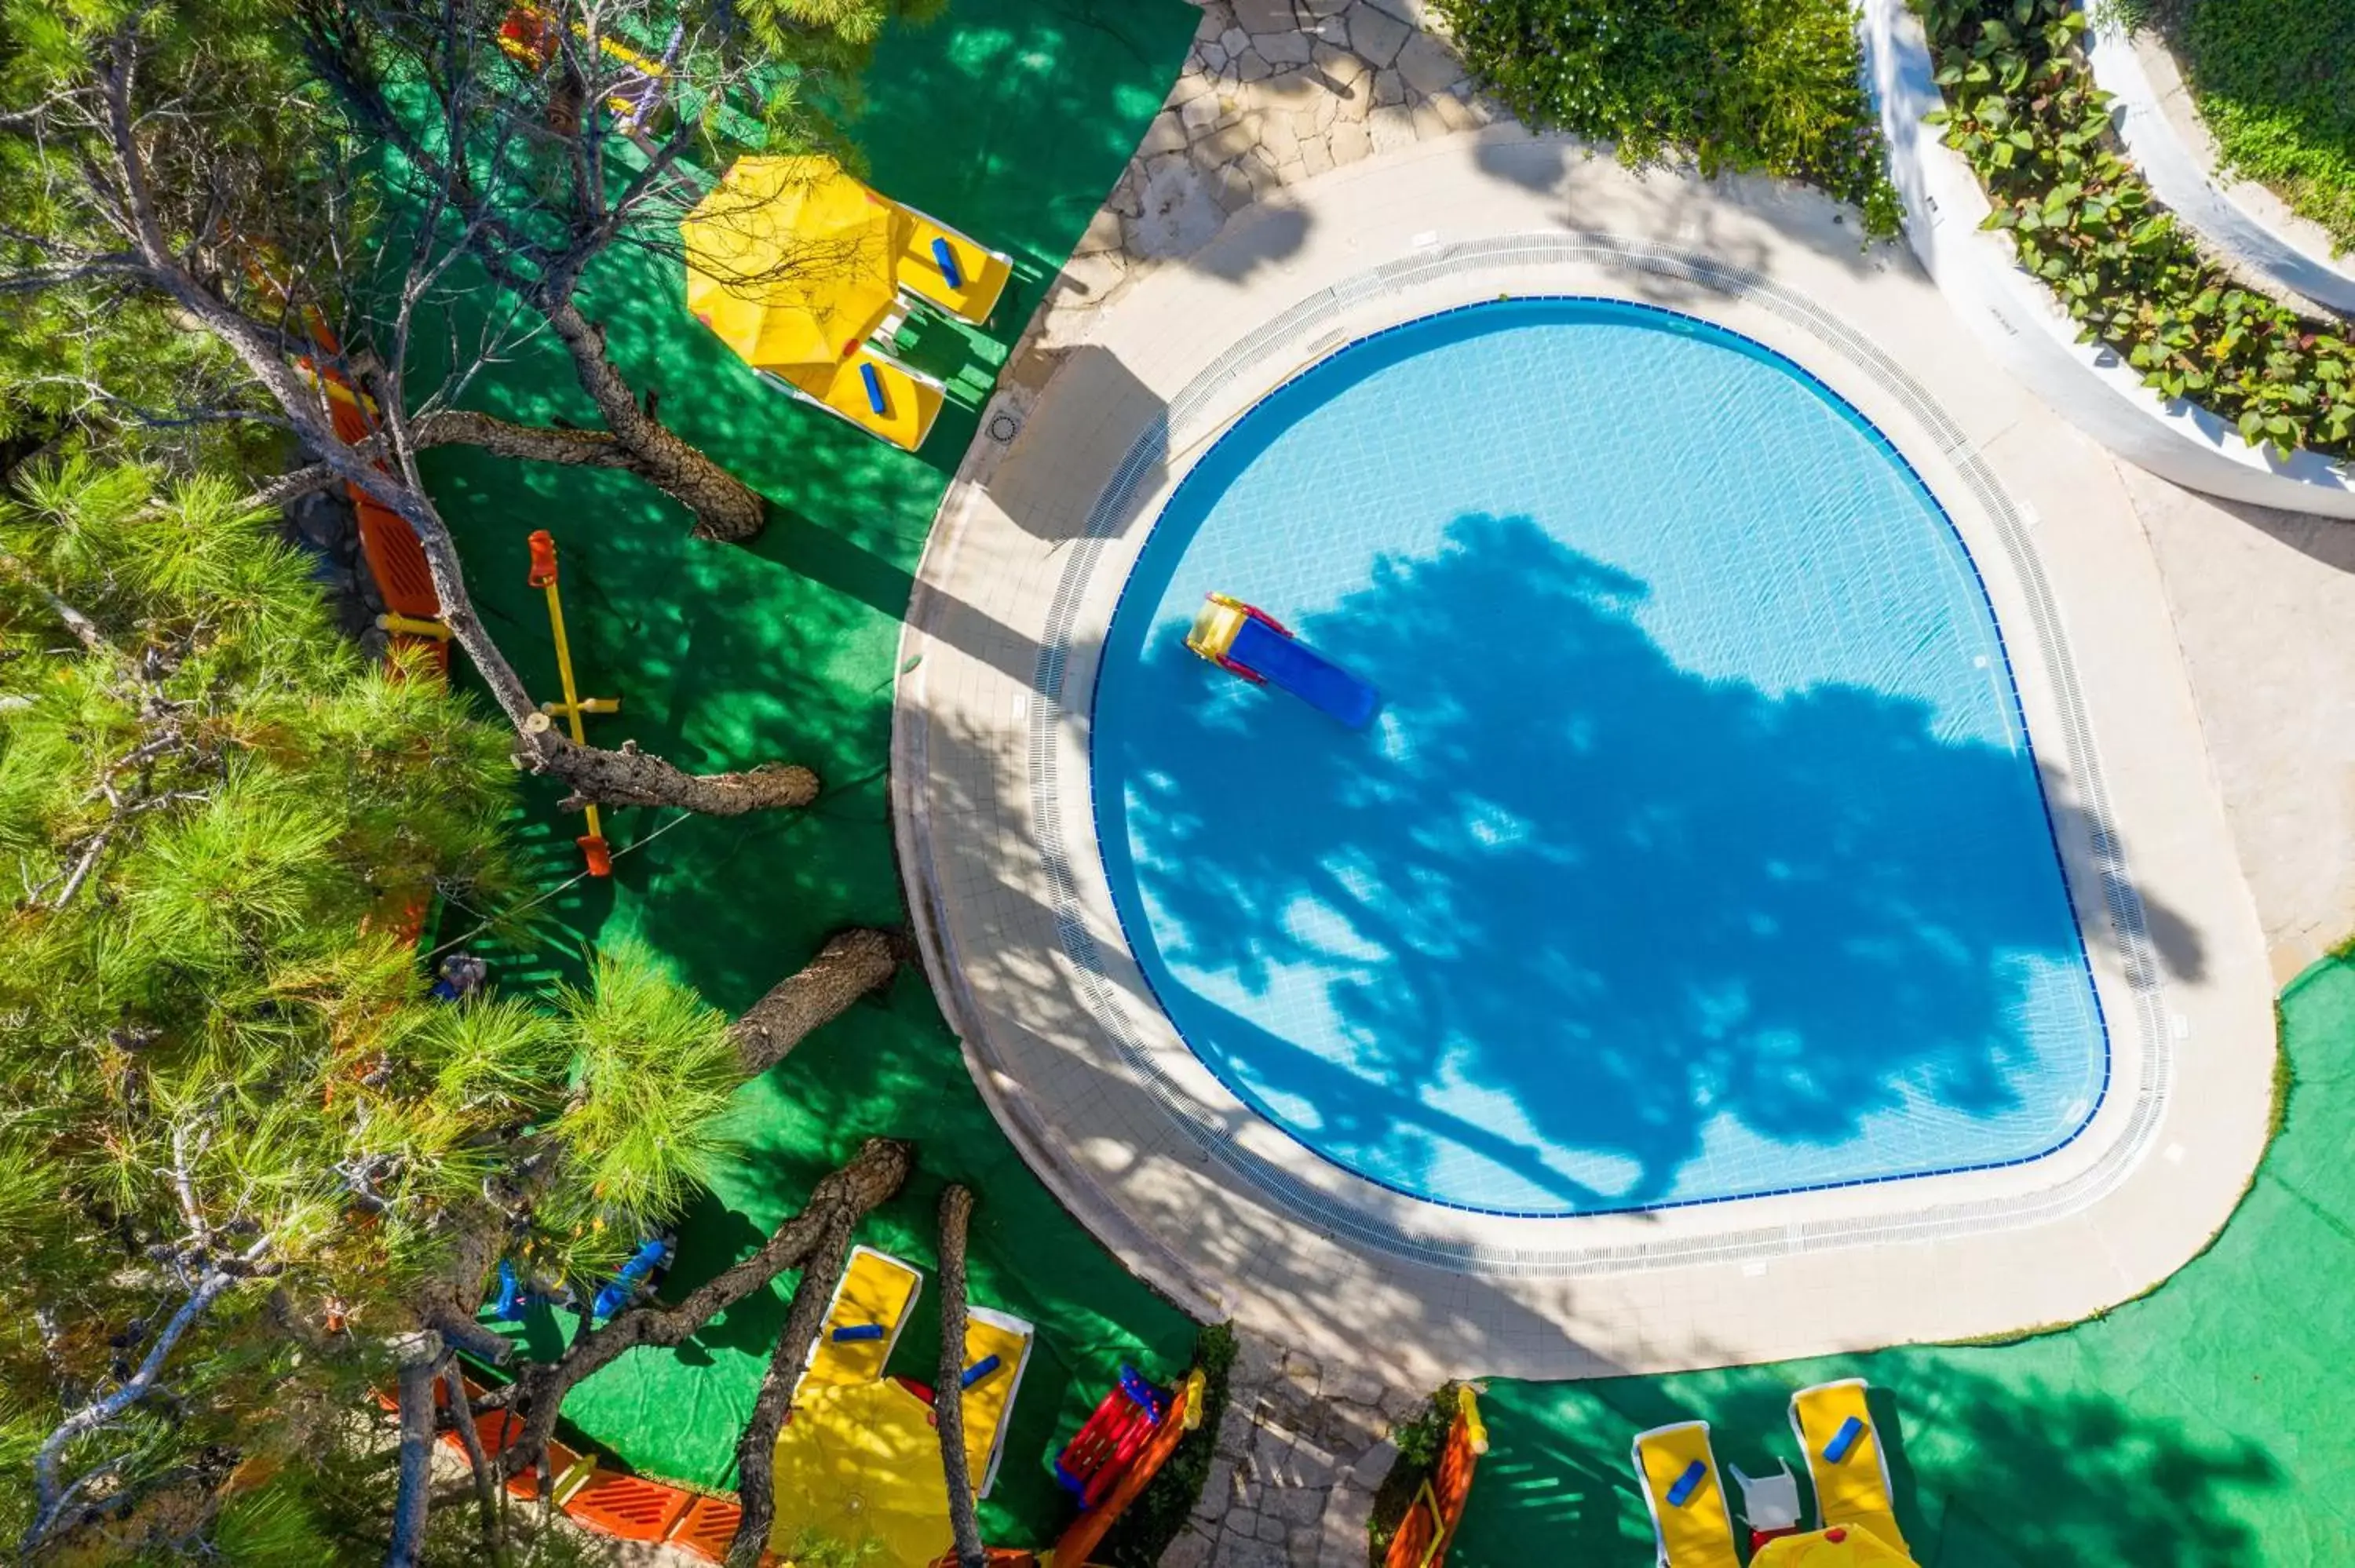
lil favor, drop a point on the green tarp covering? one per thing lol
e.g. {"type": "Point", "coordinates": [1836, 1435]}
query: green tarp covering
{"type": "Point", "coordinates": [1009, 118]}
{"type": "Point", "coordinates": [2205, 1425]}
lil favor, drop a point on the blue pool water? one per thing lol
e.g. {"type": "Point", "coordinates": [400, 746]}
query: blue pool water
{"type": "Point", "coordinates": [1697, 850]}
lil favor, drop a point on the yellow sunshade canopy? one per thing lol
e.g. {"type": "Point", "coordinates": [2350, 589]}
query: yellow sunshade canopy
{"type": "Point", "coordinates": [859, 1466]}
{"type": "Point", "coordinates": [1842, 1546]}
{"type": "Point", "coordinates": [791, 262]}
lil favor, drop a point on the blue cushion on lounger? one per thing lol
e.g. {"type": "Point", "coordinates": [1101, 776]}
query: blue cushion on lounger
{"type": "Point", "coordinates": [947, 260]}
{"type": "Point", "coordinates": [873, 388]}
{"type": "Point", "coordinates": [978, 1370]}
{"type": "Point", "coordinates": [1686, 1484]}
{"type": "Point", "coordinates": [1844, 1440]}
{"type": "Point", "coordinates": [850, 1331]}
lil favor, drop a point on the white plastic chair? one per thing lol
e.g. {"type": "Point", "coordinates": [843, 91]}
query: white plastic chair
{"type": "Point", "coordinates": [1769, 1502]}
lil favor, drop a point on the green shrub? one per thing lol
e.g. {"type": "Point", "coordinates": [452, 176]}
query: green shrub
{"type": "Point", "coordinates": [1161, 1510]}
{"type": "Point", "coordinates": [1419, 1438]}
{"type": "Point", "coordinates": [2275, 81]}
{"type": "Point", "coordinates": [2022, 108]}
{"type": "Point", "coordinates": [1751, 86]}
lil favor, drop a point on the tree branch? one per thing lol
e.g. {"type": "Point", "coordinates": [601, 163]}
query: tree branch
{"type": "Point", "coordinates": [420, 1357]}
{"type": "Point", "coordinates": [948, 1386]}
{"type": "Point", "coordinates": [459, 427]}
{"type": "Point", "coordinates": [871, 1176]}
{"type": "Point", "coordinates": [755, 1473]}
{"type": "Point", "coordinates": [848, 966]}
{"type": "Point", "coordinates": [487, 1500]}
{"type": "Point", "coordinates": [51, 1496]}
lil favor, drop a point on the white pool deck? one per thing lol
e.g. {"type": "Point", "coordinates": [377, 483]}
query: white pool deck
{"type": "Point", "coordinates": [1201, 1197]}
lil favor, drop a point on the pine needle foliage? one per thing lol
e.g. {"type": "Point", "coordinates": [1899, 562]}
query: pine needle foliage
{"type": "Point", "coordinates": [218, 1060]}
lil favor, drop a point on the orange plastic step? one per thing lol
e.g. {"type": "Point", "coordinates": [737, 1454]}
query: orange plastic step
{"type": "Point", "coordinates": [709, 1525]}
{"type": "Point", "coordinates": [397, 559]}
{"type": "Point", "coordinates": [629, 1507]}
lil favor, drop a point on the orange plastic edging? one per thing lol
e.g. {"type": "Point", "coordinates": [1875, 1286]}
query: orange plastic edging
{"type": "Point", "coordinates": [1428, 1527]}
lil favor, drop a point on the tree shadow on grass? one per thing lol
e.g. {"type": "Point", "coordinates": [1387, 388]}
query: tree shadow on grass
{"type": "Point", "coordinates": [1720, 914]}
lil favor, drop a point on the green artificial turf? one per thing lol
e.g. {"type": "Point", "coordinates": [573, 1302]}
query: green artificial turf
{"type": "Point", "coordinates": [1009, 118]}
{"type": "Point", "coordinates": [2204, 1425]}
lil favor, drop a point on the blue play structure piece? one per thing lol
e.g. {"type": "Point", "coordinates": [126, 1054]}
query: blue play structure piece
{"type": "Point", "coordinates": [1681, 1492]}
{"type": "Point", "coordinates": [1844, 1440]}
{"type": "Point", "coordinates": [510, 1307]}
{"type": "Point", "coordinates": [1133, 1384]}
{"type": "Point", "coordinates": [874, 383]}
{"type": "Point", "coordinates": [1295, 667]}
{"type": "Point", "coordinates": [945, 258]}
{"type": "Point", "coordinates": [851, 1331]}
{"type": "Point", "coordinates": [617, 1291]}
{"type": "Point", "coordinates": [978, 1370]}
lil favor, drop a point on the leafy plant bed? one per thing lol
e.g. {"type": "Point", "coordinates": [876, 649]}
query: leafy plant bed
{"type": "Point", "coordinates": [1419, 1438]}
{"type": "Point", "coordinates": [2275, 81]}
{"type": "Point", "coordinates": [1749, 86]}
{"type": "Point", "coordinates": [2023, 109]}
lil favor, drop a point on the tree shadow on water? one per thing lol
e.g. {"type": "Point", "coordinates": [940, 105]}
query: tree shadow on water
{"type": "Point", "coordinates": [1573, 912]}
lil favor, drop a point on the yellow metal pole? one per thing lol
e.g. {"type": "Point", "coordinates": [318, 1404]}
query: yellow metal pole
{"type": "Point", "coordinates": [571, 697]}
{"type": "Point", "coordinates": [543, 577]}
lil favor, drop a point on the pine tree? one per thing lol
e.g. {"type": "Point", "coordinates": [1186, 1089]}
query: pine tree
{"type": "Point", "coordinates": [247, 1165]}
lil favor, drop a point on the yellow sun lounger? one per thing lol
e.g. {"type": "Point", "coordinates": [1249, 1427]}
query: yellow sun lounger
{"type": "Point", "coordinates": [872, 1301]}
{"type": "Point", "coordinates": [997, 1349]}
{"type": "Point", "coordinates": [948, 269]}
{"type": "Point", "coordinates": [873, 391]}
{"type": "Point", "coordinates": [1685, 1497]}
{"type": "Point", "coordinates": [1851, 1473]}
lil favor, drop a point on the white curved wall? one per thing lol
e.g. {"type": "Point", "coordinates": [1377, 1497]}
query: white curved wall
{"type": "Point", "coordinates": [2017, 317]}
{"type": "Point", "coordinates": [2181, 177]}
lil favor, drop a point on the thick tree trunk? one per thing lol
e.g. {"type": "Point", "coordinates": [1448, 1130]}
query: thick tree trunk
{"type": "Point", "coordinates": [465, 428]}
{"type": "Point", "coordinates": [839, 1199]}
{"type": "Point", "coordinates": [725, 507]}
{"type": "Point", "coordinates": [629, 776]}
{"type": "Point", "coordinates": [755, 1474]}
{"type": "Point", "coordinates": [421, 1361]}
{"type": "Point", "coordinates": [948, 1386]}
{"type": "Point", "coordinates": [848, 966]}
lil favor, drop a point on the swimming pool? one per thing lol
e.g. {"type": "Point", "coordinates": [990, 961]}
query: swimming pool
{"type": "Point", "coordinates": [1697, 850]}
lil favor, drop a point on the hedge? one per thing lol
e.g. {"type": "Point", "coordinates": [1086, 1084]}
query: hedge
{"type": "Point", "coordinates": [2275, 81]}
{"type": "Point", "coordinates": [1748, 86]}
{"type": "Point", "coordinates": [2022, 108]}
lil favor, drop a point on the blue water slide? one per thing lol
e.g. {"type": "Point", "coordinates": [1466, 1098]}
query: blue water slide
{"type": "Point", "coordinates": [1307, 674]}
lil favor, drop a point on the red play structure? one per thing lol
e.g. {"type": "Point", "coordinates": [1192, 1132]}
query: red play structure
{"type": "Point", "coordinates": [1103, 1449]}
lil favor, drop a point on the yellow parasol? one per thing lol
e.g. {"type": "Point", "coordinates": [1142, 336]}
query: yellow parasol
{"type": "Point", "coordinates": [791, 262]}
{"type": "Point", "coordinates": [859, 1465]}
{"type": "Point", "coordinates": [1842, 1546]}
